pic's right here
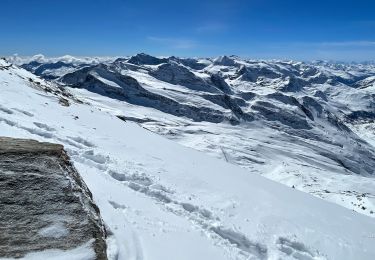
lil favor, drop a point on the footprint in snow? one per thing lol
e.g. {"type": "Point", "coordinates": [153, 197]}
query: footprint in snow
{"type": "Point", "coordinates": [6, 110]}
{"type": "Point", "coordinates": [296, 249]}
{"type": "Point", "coordinates": [82, 141]}
{"type": "Point", "coordinates": [44, 127]}
{"type": "Point", "coordinates": [116, 205]}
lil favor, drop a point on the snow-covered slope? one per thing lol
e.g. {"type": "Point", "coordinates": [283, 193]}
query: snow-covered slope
{"type": "Point", "coordinates": [307, 125]}
{"type": "Point", "coordinates": [164, 201]}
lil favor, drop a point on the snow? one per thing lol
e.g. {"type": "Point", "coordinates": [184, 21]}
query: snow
{"type": "Point", "coordinates": [106, 81]}
{"type": "Point", "coordinates": [19, 60]}
{"type": "Point", "coordinates": [3, 63]}
{"type": "Point", "coordinates": [55, 230]}
{"type": "Point", "coordinates": [273, 154]}
{"type": "Point", "coordinates": [175, 92]}
{"type": "Point", "coordinates": [161, 200]}
{"type": "Point", "coordinates": [307, 160]}
{"type": "Point", "coordinates": [83, 252]}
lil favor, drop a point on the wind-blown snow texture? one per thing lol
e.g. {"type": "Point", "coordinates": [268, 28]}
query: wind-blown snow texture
{"type": "Point", "coordinates": [292, 122]}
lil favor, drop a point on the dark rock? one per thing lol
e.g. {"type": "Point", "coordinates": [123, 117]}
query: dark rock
{"type": "Point", "coordinates": [131, 91]}
{"type": "Point", "coordinates": [251, 74]}
{"type": "Point", "coordinates": [179, 75]}
{"type": "Point", "coordinates": [145, 59]}
{"type": "Point", "coordinates": [271, 112]}
{"type": "Point", "coordinates": [367, 116]}
{"type": "Point", "coordinates": [40, 189]}
{"type": "Point", "coordinates": [220, 83]}
{"type": "Point", "coordinates": [294, 84]}
{"type": "Point", "coordinates": [189, 62]}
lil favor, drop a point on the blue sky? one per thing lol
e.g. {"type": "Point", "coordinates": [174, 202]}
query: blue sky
{"type": "Point", "coordinates": [302, 30]}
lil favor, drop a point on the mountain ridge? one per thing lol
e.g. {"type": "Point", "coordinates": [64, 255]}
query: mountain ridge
{"type": "Point", "coordinates": [160, 199]}
{"type": "Point", "coordinates": [294, 122]}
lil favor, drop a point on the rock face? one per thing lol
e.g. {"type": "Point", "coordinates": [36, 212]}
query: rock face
{"type": "Point", "coordinates": [44, 203]}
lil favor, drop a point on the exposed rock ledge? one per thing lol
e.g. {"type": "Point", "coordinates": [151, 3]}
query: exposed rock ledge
{"type": "Point", "coordinates": [44, 203]}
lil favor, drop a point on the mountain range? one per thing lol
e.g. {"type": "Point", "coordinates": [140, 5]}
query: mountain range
{"type": "Point", "coordinates": [309, 126]}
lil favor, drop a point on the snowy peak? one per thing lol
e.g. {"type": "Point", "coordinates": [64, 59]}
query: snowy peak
{"type": "Point", "coordinates": [5, 64]}
{"type": "Point", "coordinates": [224, 61]}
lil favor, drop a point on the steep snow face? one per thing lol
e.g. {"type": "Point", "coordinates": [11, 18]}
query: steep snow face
{"type": "Point", "coordinates": [161, 200]}
{"type": "Point", "coordinates": [309, 126]}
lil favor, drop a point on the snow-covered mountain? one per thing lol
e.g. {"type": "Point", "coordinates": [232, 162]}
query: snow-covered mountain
{"type": "Point", "coordinates": [161, 200]}
{"type": "Point", "coordinates": [52, 68]}
{"type": "Point", "coordinates": [307, 125]}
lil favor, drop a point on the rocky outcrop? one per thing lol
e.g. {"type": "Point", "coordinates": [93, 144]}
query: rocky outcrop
{"type": "Point", "coordinates": [189, 62]}
{"type": "Point", "coordinates": [145, 59]}
{"type": "Point", "coordinates": [174, 73]}
{"type": "Point", "coordinates": [252, 73]}
{"type": "Point", "coordinates": [44, 203]}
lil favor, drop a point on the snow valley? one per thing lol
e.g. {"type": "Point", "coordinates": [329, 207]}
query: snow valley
{"type": "Point", "coordinates": [285, 161]}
